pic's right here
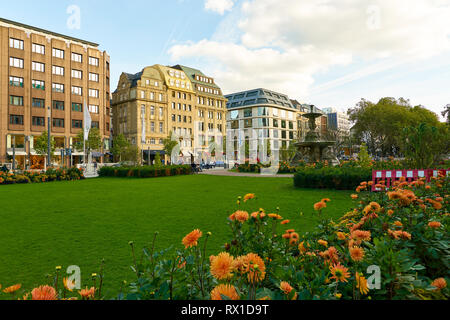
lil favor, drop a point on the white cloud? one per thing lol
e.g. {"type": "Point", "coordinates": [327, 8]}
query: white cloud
{"type": "Point", "coordinates": [219, 6]}
{"type": "Point", "coordinates": [283, 45]}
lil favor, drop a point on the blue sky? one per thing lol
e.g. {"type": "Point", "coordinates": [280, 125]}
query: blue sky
{"type": "Point", "coordinates": [328, 53]}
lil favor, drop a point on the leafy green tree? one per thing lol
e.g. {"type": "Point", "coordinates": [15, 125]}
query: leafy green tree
{"type": "Point", "coordinates": [94, 141]}
{"type": "Point", "coordinates": [120, 145]}
{"type": "Point", "coordinates": [446, 113]}
{"type": "Point", "coordinates": [169, 145]}
{"type": "Point", "coordinates": [380, 125]}
{"type": "Point", "coordinates": [425, 145]}
{"type": "Point", "coordinates": [364, 157]}
{"type": "Point", "coordinates": [158, 162]}
{"type": "Point", "coordinates": [131, 154]}
{"type": "Point", "coordinates": [41, 144]}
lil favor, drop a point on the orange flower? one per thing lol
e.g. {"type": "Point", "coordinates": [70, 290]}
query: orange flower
{"type": "Point", "coordinates": [341, 235]}
{"type": "Point", "coordinates": [69, 285]}
{"type": "Point", "coordinates": [225, 290]}
{"type": "Point", "coordinates": [294, 238]}
{"type": "Point", "coordinates": [44, 293]}
{"type": "Point", "coordinates": [434, 224]}
{"type": "Point", "coordinates": [191, 240]}
{"type": "Point", "coordinates": [354, 196]}
{"type": "Point", "coordinates": [439, 284]}
{"type": "Point", "coordinates": [87, 293]}
{"type": "Point", "coordinates": [249, 197]}
{"type": "Point", "coordinates": [390, 212]}
{"type": "Point", "coordinates": [361, 284]}
{"type": "Point", "coordinates": [398, 224]}
{"type": "Point", "coordinates": [222, 266]}
{"type": "Point", "coordinates": [319, 206]}
{"type": "Point", "coordinates": [361, 235]}
{"type": "Point", "coordinates": [287, 289]}
{"type": "Point", "coordinates": [323, 243]}
{"type": "Point", "coordinates": [241, 216]}
{"type": "Point", "coordinates": [12, 289]}
{"type": "Point", "coordinates": [285, 222]}
{"type": "Point", "coordinates": [275, 216]}
{"type": "Point", "coordinates": [255, 268]}
{"type": "Point", "coordinates": [301, 247]}
{"type": "Point", "coordinates": [339, 272]}
{"type": "Point", "coordinates": [326, 200]}
{"type": "Point", "coordinates": [357, 253]}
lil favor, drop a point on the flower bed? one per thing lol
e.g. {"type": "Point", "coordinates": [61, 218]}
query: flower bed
{"type": "Point", "coordinates": [145, 172]}
{"type": "Point", "coordinates": [256, 168]}
{"type": "Point", "coordinates": [39, 177]}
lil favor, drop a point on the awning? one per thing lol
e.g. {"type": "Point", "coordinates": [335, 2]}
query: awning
{"type": "Point", "coordinates": [18, 153]}
{"type": "Point", "coordinates": [154, 152]}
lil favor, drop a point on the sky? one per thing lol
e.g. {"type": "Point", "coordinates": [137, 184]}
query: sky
{"type": "Point", "coordinates": [330, 53]}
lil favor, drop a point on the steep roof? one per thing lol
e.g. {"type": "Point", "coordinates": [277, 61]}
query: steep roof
{"type": "Point", "coordinates": [191, 73]}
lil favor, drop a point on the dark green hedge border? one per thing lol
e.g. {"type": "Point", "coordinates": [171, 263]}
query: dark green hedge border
{"type": "Point", "coordinates": [145, 172]}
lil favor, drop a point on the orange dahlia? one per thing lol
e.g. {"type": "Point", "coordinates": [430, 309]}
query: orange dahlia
{"type": "Point", "coordinates": [361, 235]}
{"type": "Point", "coordinates": [12, 289]}
{"type": "Point", "coordinates": [434, 224]}
{"type": "Point", "coordinates": [224, 290]}
{"type": "Point", "coordinates": [87, 293]}
{"type": "Point", "coordinates": [357, 253]}
{"type": "Point", "coordinates": [319, 206]}
{"type": "Point", "coordinates": [323, 243]}
{"type": "Point", "coordinates": [287, 289]}
{"type": "Point", "coordinates": [191, 240]}
{"type": "Point", "coordinates": [255, 268]}
{"type": "Point", "coordinates": [241, 216]}
{"type": "Point", "coordinates": [222, 266]}
{"type": "Point", "coordinates": [361, 284]}
{"type": "Point", "coordinates": [44, 293]}
{"type": "Point", "coordinates": [339, 272]}
{"type": "Point", "coordinates": [439, 284]}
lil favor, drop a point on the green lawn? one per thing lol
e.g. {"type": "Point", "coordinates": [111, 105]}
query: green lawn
{"type": "Point", "coordinates": [79, 223]}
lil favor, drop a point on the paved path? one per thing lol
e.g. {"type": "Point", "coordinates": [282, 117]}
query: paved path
{"type": "Point", "coordinates": [226, 173]}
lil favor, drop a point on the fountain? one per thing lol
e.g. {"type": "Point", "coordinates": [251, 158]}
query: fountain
{"type": "Point", "coordinates": [313, 149]}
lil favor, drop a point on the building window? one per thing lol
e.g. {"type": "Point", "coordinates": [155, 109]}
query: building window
{"type": "Point", "coordinates": [58, 105]}
{"type": "Point", "coordinates": [93, 77]}
{"type": "Point", "coordinates": [93, 108]}
{"type": "Point", "coordinates": [77, 107]}
{"type": "Point", "coordinates": [77, 57]}
{"type": "Point", "coordinates": [16, 62]}
{"type": "Point", "coordinates": [16, 43]}
{"type": "Point", "coordinates": [58, 123]}
{"type": "Point", "coordinates": [93, 61]}
{"type": "Point", "coordinates": [152, 110]}
{"type": "Point", "coordinates": [37, 48]}
{"type": "Point", "coordinates": [160, 97]}
{"type": "Point", "coordinates": [16, 119]}
{"type": "Point", "coordinates": [77, 124]}
{"type": "Point", "coordinates": [38, 103]}
{"type": "Point", "coordinates": [152, 126]}
{"type": "Point", "coordinates": [57, 53]}
{"type": "Point", "coordinates": [77, 74]}
{"type": "Point", "coordinates": [161, 127]}
{"type": "Point", "coordinates": [174, 118]}
{"type": "Point", "coordinates": [78, 91]}
{"type": "Point", "coordinates": [15, 101]}
{"type": "Point", "coordinates": [16, 82]}
{"type": "Point", "coordinates": [95, 124]}
{"type": "Point", "coordinates": [93, 93]}
{"type": "Point", "coordinates": [37, 66]}
{"type": "Point", "coordinates": [59, 71]}
{"type": "Point", "coordinates": [161, 112]}
{"type": "Point", "coordinates": [38, 121]}
{"type": "Point", "coordinates": [58, 87]}
{"type": "Point", "coordinates": [38, 84]}
{"type": "Point", "coordinates": [248, 113]}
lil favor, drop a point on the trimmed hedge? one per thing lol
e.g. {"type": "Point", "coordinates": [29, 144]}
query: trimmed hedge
{"type": "Point", "coordinates": [337, 178]}
{"type": "Point", "coordinates": [145, 172]}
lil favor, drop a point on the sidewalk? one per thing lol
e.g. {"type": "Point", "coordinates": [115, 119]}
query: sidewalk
{"type": "Point", "coordinates": [226, 173]}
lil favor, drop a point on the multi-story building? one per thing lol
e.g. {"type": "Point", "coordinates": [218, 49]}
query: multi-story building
{"type": "Point", "coordinates": [162, 102]}
{"type": "Point", "coordinates": [46, 74]}
{"type": "Point", "coordinates": [259, 117]}
{"type": "Point", "coordinates": [338, 121]}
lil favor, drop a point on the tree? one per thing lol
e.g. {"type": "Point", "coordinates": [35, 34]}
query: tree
{"type": "Point", "coordinates": [380, 125]}
{"type": "Point", "coordinates": [120, 144]}
{"type": "Point", "coordinates": [41, 144]}
{"type": "Point", "coordinates": [131, 154]}
{"type": "Point", "coordinates": [158, 162]}
{"type": "Point", "coordinates": [425, 145]}
{"type": "Point", "coordinates": [446, 113]}
{"type": "Point", "coordinates": [364, 157]}
{"type": "Point", "coordinates": [94, 141]}
{"type": "Point", "coordinates": [169, 145]}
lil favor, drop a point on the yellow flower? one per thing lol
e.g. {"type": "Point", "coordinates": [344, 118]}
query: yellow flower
{"type": "Point", "coordinates": [249, 197]}
{"type": "Point", "coordinates": [361, 284]}
{"type": "Point", "coordinates": [323, 243]}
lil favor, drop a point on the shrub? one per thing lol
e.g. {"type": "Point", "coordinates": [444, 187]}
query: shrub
{"type": "Point", "coordinates": [145, 171]}
{"type": "Point", "coordinates": [62, 174]}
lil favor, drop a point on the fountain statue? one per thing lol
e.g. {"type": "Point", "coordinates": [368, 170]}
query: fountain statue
{"type": "Point", "coordinates": [313, 149]}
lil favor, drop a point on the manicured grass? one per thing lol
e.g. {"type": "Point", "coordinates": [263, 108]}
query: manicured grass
{"type": "Point", "coordinates": [81, 222]}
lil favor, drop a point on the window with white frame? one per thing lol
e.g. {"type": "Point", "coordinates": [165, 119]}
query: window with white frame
{"type": "Point", "coordinates": [57, 53]}
{"type": "Point", "coordinates": [93, 93]}
{"type": "Point", "coordinates": [93, 61]}
{"type": "Point", "coordinates": [77, 74]}
{"type": "Point", "coordinates": [93, 77]}
{"type": "Point", "coordinates": [37, 66]}
{"type": "Point", "coordinates": [16, 62]}
{"type": "Point", "coordinates": [38, 84]}
{"type": "Point", "coordinates": [77, 91]}
{"type": "Point", "coordinates": [59, 71]}
{"type": "Point", "coordinates": [37, 48]}
{"type": "Point", "coordinates": [77, 57]}
{"type": "Point", "coordinates": [152, 96]}
{"type": "Point", "coordinates": [58, 87]}
{"type": "Point", "coordinates": [16, 43]}
{"type": "Point", "coordinates": [93, 108]}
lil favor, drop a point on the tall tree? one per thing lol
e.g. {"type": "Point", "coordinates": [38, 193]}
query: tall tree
{"type": "Point", "coordinates": [169, 145]}
{"type": "Point", "coordinates": [120, 145]}
{"type": "Point", "coordinates": [94, 141]}
{"type": "Point", "coordinates": [446, 113]}
{"type": "Point", "coordinates": [41, 144]}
